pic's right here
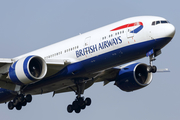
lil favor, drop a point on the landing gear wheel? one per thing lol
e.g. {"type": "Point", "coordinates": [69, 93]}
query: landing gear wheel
{"type": "Point", "coordinates": [15, 101]}
{"type": "Point", "coordinates": [28, 98]}
{"type": "Point", "coordinates": [18, 107]}
{"type": "Point", "coordinates": [78, 110]}
{"type": "Point", "coordinates": [24, 103]}
{"type": "Point", "coordinates": [19, 101]}
{"type": "Point", "coordinates": [80, 101]}
{"type": "Point", "coordinates": [75, 105]}
{"type": "Point", "coordinates": [83, 106]}
{"type": "Point", "coordinates": [88, 101]}
{"type": "Point", "coordinates": [70, 108]}
{"type": "Point", "coordinates": [10, 105]}
{"type": "Point", "coordinates": [154, 69]}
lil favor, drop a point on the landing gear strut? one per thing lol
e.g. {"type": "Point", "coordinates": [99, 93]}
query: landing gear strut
{"type": "Point", "coordinates": [19, 101]}
{"type": "Point", "coordinates": [151, 67]}
{"type": "Point", "coordinates": [79, 103]}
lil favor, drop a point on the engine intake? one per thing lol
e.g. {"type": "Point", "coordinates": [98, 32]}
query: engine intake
{"type": "Point", "coordinates": [28, 70]}
{"type": "Point", "coordinates": [133, 77]}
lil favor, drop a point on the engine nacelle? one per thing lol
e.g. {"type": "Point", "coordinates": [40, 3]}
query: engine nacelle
{"type": "Point", "coordinates": [133, 77]}
{"type": "Point", "coordinates": [28, 70]}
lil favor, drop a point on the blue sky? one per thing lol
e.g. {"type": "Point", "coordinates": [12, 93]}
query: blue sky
{"type": "Point", "coordinates": [29, 25]}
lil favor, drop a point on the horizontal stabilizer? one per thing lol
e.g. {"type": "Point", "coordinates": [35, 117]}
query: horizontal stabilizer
{"type": "Point", "coordinates": [163, 70]}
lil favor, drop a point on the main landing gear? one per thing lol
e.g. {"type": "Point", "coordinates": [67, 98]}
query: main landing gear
{"type": "Point", "coordinates": [79, 103]}
{"type": "Point", "coordinates": [19, 101]}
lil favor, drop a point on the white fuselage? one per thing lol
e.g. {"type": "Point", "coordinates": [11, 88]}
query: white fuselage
{"type": "Point", "coordinates": [66, 49]}
{"type": "Point", "coordinates": [106, 47]}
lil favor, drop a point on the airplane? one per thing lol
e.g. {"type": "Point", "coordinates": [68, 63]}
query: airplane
{"type": "Point", "coordinates": [104, 55]}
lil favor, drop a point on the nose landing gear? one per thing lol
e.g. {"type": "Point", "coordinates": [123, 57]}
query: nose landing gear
{"type": "Point", "coordinates": [151, 67]}
{"type": "Point", "coordinates": [152, 54]}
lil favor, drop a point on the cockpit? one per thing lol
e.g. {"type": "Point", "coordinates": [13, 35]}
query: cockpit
{"type": "Point", "coordinates": [159, 22]}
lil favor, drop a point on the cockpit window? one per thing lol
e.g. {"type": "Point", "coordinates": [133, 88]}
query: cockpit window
{"type": "Point", "coordinates": [159, 22]}
{"type": "Point", "coordinates": [154, 23]}
{"type": "Point", "coordinates": [164, 21]}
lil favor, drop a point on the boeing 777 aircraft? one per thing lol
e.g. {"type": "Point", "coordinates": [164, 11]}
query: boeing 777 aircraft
{"type": "Point", "coordinates": [75, 64]}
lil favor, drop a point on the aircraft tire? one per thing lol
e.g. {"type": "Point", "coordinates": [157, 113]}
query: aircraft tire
{"type": "Point", "coordinates": [75, 105]}
{"type": "Point", "coordinates": [88, 101]}
{"type": "Point", "coordinates": [15, 101]}
{"type": "Point", "coordinates": [78, 110]}
{"type": "Point", "coordinates": [18, 107]}
{"type": "Point", "coordinates": [28, 98]}
{"type": "Point", "coordinates": [10, 105]}
{"type": "Point", "coordinates": [70, 108]}
{"type": "Point", "coordinates": [24, 103]}
{"type": "Point", "coordinates": [80, 101]}
{"type": "Point", "coordinates": [154, 69]}
{"type": "Point", "coordinates": [83, 106]}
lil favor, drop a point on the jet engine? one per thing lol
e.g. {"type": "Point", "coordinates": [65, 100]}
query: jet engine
{"type": "Point", "coordinates": [28, 70]}
{"type": "Point", "coordinates": [133, 77]}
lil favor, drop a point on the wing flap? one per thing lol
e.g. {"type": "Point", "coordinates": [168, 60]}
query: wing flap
{"type": "Point", "coordinates": [58, 61]}
{"type": "Point", "coordinates": [107, 75]}
{"type": "Point", "coordinates": [54, 61]}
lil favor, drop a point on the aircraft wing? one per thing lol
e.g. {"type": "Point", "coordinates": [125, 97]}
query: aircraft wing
{"type": "Point", "coordinates": [4, 63]}
{"type": "Point", "coordinates": [53, 66]}
{"type": "Point", "coordinates": [5, 60]}
{"type": "Point", "coordinates": [105, 76]}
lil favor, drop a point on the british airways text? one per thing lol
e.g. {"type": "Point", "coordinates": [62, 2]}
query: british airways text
{"type": "Point", "coordinates": [97, 47]}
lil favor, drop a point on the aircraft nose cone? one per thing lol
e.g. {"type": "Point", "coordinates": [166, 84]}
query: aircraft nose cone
{"type": "Point", "coordinates": [170, 31]}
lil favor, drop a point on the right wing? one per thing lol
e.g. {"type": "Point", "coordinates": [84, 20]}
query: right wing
{"type": "Point", "coordinates": [53, 66]}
